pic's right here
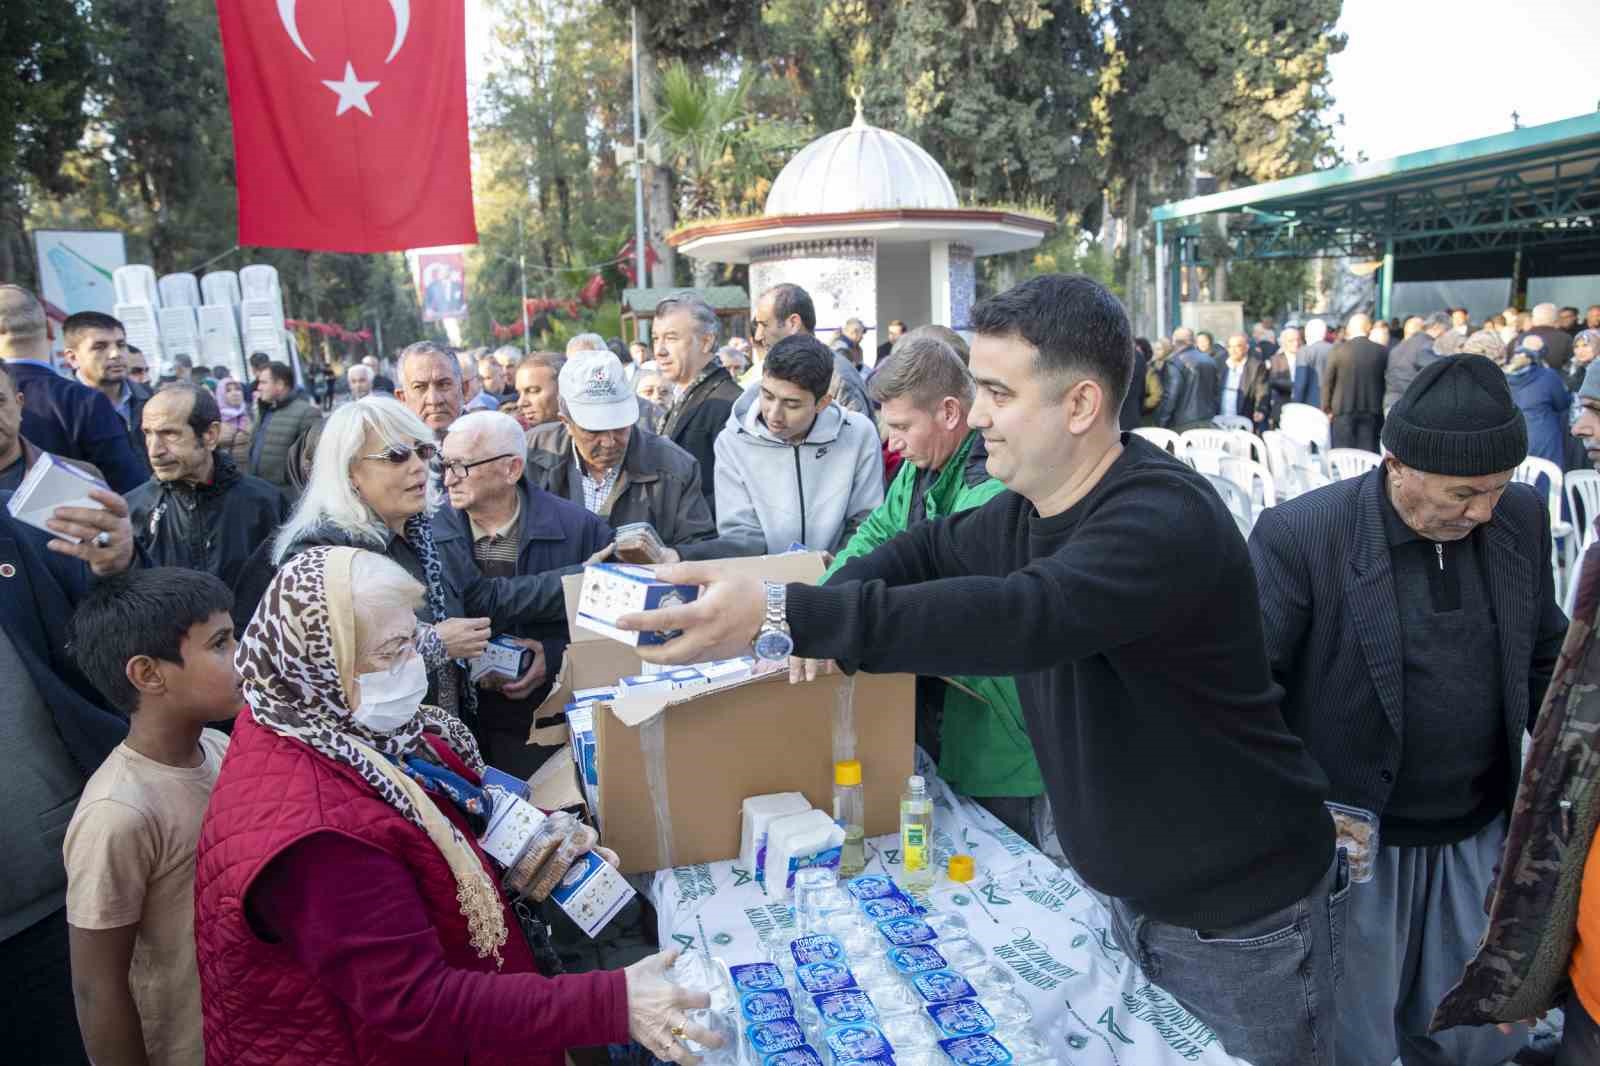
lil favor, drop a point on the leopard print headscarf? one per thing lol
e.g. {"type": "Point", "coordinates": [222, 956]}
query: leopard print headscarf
{"type": "Point", "coordinates": [297, 662]}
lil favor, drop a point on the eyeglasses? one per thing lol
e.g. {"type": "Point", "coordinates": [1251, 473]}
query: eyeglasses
{"type": "Point", "coordinates": [459, 469]}
{"type": "Point", "coordinates": [399, 454]}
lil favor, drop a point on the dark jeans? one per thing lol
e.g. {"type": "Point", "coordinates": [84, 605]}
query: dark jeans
{"type": "Point", "coordinates": [1580, 1038]}
{"type": "Point", "coordinates": [1266, 987]}
{"type": "Point", "coordinates": [38, 1020]}
{"type": "Point", "coordinates": [1356, 431]}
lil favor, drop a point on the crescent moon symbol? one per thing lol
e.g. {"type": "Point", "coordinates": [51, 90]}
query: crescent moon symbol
{"type": "Point", "coordinates": [286, 16]}
{"type": "Point", "coordinates": [402, 22]}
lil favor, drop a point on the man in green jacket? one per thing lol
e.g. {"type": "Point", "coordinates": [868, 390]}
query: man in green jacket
{"type": "Point", "coordinates": [971, 725]}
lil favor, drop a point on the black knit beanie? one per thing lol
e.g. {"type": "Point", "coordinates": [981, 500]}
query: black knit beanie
{"type": "Point", "coordinates": [1457, 418]}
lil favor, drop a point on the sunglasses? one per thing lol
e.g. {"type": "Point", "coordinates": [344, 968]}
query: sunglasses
{"type": "Point", "coordinates": [399, 454]}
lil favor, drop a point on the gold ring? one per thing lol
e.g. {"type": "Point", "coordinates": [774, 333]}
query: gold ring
{"type": "Point", "coordinates": [677, 1032]}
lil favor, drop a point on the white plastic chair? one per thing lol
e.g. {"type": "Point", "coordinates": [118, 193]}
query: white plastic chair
{"type": "Point", "coordinates": [1255, 479]}
{"type": "Point", "coordinates": [1209, 439]}
{"type": "Point", "coordinates": [1528, 472]}
{"type": "Point", "coordinates": [1351, 462]}
{"type": "Point", "coordinates": [1304, 479]}
{"type": "Point", "coordinates": [1205, 460]}
{"type": "Point", "coordinates": [1238, 502]}
{"type": "Point", "coordinates": [1281, 450]}
{"type": "Point", "coordinates": [1247, 445]}
{"type": "Point", "coordinates": [1306, 424]}
{"type": "Point", "coordinates": [1161, 438]}
{"type": "Point", "coordinates": [1583, 500]}
{"type": "Point", "coordinates": [1232, 422]}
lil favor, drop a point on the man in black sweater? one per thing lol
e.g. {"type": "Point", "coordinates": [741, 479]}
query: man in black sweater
{"type": "Point", "coordinates": [1113, 584]}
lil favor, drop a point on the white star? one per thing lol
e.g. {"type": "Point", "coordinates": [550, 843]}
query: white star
{"type": "Point", "coordinates": [352, 93]}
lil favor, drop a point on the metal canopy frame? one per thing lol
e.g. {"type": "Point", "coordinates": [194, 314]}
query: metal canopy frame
{"type": "Point", "coordinates": [1528, 188]}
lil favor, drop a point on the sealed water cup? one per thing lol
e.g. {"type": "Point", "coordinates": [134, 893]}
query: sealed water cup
{"type": "Point", "coordinates": [989, 978]}
{"type": "Point", "coordinates": [962, 952]}
{"type": "Point", "coordinates": [1008, 1009]}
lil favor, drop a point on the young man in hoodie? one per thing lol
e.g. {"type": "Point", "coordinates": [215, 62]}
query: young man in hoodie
{"type": "Point", "coordinates": [791, 466]}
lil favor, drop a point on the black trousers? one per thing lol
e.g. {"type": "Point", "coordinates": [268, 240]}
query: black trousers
{"type": "Point", "coordinates": [1356, 431]}
{"type": "Point", "coordinates": [38, 1020]}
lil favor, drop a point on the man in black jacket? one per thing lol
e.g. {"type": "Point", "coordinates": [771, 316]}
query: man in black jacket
{"type": "Point", "coordinates": [97, 345]}
{"type": "Point", "coordinates": [198, 511]}
{"type": "Point", "coordinates": [1407, 359]}
{"type": "Point", "coordinates": [685, 333]}
{"type": "Point", "coordinates": [1191, 387]}
{"type": "Point", "coordinates": [1113, 584]}
{"type": "Point", "coordinates": [1411, 619]}
{"type": "Point", "coordinates": [1352, 389]}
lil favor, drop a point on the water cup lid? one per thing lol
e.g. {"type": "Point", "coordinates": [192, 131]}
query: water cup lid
{"type": "Point", "coordinates": [961, 868]}
{"type": "Point", "coordinates": [847, 772]}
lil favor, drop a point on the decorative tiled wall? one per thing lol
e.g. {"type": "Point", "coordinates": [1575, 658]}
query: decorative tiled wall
{"type": "Point", "coordinates": [963, 286]}
{"type": "Point", "coordinates": [840, 275]}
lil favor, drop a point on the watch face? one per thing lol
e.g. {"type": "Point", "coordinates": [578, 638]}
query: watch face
{"type": "Point", "coordinates": [773, 645]}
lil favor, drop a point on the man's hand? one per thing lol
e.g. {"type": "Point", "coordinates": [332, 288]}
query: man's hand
{"type": "Point", "coordinates": [719, 624]}
{"type": "Point", "coordinates": [809, 669]}
{"type": "Point", "coordinates": [602, 555]}
{"type": "Point", "coordinates": [87, 523]}
{"type": "Point", "coordinates": [533, 677]}
{"type": "Point", "coordinates": [464, 638]}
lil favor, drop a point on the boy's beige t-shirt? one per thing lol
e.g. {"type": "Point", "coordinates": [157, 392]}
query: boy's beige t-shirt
{"type": "Point", "coordinates": [130, 859]}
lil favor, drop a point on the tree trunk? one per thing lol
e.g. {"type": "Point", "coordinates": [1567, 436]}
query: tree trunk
{"type": "Point", "coordinates": [658, 215]}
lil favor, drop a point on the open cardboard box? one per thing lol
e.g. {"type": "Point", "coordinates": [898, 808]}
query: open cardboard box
{"type": "Point", "coordinates": [753, 737]}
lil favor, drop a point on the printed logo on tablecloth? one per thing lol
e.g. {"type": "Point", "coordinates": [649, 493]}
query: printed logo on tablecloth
{"type": "Point", "coordinates": [769, 920]}
{"type": "Point", "coordinates": [1009, 840]}
{"type": "Point", "coordinates": [694, 882]}
{"type": "Point", "coordinates": [1085, 1030]}
{"type": "Point", "coordinates": [1103, 941]}
{"type": "Point", "coordinates": [1055, 893]}
{"type": "Point", "coordinates": [1033, 962]}
{"type": "Point", "coordinates": [1185, 1034]}
{"type": "Point", "coordinates": [1108, 1018]}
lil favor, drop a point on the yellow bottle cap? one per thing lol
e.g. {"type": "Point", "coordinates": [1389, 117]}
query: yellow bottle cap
{"type": "Point", "coordinates": [847, 772]}
{"type": "Point", "coordinates": [961, 868]}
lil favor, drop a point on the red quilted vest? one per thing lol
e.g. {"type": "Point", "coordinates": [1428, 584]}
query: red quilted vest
{"type": "Point", "coordinates": [258, 1006]}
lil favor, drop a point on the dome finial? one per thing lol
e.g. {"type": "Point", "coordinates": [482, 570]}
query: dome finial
{"type": "Point", "coordinates": [861, 119]}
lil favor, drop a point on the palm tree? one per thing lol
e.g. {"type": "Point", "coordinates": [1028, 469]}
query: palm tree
{"type": "Point", "coordinates": [699, 125]}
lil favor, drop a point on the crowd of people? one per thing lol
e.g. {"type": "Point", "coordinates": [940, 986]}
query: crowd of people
{"type": "Point", "coordinates": [253, 750]}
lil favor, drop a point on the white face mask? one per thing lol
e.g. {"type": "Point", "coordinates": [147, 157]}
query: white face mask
{"type": "Point", "coordinates": [390, 698]}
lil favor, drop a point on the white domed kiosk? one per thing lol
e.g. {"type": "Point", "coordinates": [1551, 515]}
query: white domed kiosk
{"type": "Point", "coordinates": [869, 224]}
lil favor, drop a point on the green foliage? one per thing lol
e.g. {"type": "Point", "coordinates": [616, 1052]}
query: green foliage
{"type": "Point", "coordinates": [1269, 288]}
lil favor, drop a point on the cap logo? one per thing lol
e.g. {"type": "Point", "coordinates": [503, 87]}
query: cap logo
{"type": "Point", "coordinates": [601, 387]}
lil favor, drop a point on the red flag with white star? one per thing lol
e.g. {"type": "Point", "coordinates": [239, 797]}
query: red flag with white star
{"type": "Point", "coordinates": [349, 123]}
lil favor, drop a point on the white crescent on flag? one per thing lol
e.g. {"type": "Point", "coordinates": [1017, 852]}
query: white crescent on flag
{"type": "Point", "coordinates": [402, 23]}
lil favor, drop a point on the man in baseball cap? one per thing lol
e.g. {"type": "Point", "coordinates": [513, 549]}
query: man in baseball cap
{"type": "Point", "coordinates": [601, 456]}
{"type": "Point", "coordinates": [1411, 619]}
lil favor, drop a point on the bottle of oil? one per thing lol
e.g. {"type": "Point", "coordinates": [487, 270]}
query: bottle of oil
{"type": "Point", "coordinates": [916, 835]}
{"type": "Point", "coordinates": [849, 810]}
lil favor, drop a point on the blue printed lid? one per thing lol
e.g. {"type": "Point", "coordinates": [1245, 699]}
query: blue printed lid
{"type": "Point", "coordinates": [799, 1056]}
{"type": "Point", "coordinates": [817, 977]}
{"type": "Point", "coordinates": [756, 977]}
{"type": "Point", "coordinates": [819, 947]}
{"type": "Point", "coordinates": [872, 886]}
{"type": "Point", "coordinates": [766, 1006]}
{"type": "Point", "coordinates": [902, 932]}
{"type": "Point", "coordinates": [964, 1017]}
{"type": "Point", "coordinates": [982, 1050]}
{"type": "Point", "coordinates": [943, 986]}
{"type": "Point", "coordinates": [886, 907]}
{"type": "Point", "coordinates": [857, 1041]}
{"type": "Point", "coordinates": [770, 1037]}
{"type": "Point", "coordinates": [918, 958]}
{"type": "Point", "coordinates": [845, 1007]}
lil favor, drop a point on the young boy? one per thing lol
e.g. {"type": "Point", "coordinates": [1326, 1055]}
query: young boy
{"type": "Point", "coordinates": [158, 644]}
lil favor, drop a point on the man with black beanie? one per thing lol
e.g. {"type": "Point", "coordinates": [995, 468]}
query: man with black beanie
{"type": "Point", "coordinates": [1411, 618]}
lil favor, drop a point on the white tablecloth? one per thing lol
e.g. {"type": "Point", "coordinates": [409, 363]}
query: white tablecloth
{"type": "Point", "coordinates": [1088, 998]}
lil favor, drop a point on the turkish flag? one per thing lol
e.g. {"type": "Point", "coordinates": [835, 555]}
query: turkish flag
{"type": "Point", "coordinates": [349, 123]}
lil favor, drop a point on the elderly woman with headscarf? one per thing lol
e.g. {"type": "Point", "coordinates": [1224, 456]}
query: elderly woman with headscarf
{"type": "Point", "coordinates": [372, 487]}
{"type": "Point", "coordinates": [344, 911]}
{"type": "Point", "coordinates": [237, 425]}
{"type": "Point", "coordinates": [1585, 346]}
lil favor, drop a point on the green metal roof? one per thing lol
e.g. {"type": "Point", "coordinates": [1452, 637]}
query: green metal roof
{"type": "Point", "coordinates": [1530, 186]}
{"type": "Point", "coordinates": [720, 297]}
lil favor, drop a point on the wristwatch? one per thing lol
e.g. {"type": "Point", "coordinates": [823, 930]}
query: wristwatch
{"type": "Point", "coordinates": [773, 642]}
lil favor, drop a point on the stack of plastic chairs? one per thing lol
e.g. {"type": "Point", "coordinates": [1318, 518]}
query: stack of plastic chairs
{"type": "Point", "coordinates": [180, 329]}
{"type": "Point", "coordinates": [261, 312]}
{"type": "Point", "coordinates": [219, 322]}
{"type": "Point", "coordinates": [1345, 463]}
{"type": "Point", "coordinates": [137, 306]}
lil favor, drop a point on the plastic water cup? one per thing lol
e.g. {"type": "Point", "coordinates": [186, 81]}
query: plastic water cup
{"type": "Point", "coordinates": [946, 924]}
{"type": "Point", "coordinates": [860, 939]}
{"type": "Point", "coordinates": [1008, 1009]}
{"type": "Point", "coordinates": [807, 882]}
{"type": "Point", "coordinates": [907, 1032]}
{"type": "Point", "coordinates": [989, 978]}
{"type": "Point", "coordinates": [779, 954]}
{"type": "Point", "coordinates": [921, 1056]}
{"type": "Point", "coordinates": [1024, 1043]}
{"type": "Point", "coordinates": [699, 972]}
{"type": "Point", "coordinates": [891, 996]}
{"type": "Point", "coordinates": [872, 968]}
{"type": "Point", "coordinates": [962, 952]}
{"type": "Point", "coordinates": [721, 1023]}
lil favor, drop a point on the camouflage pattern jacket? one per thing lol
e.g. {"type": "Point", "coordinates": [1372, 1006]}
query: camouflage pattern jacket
{"type": "Point", "coordinates": [1520, 970]}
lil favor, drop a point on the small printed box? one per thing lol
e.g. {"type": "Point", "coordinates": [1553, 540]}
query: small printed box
{"type": "Point", "coordinates": [769, 1038]}
{"type": "Point", "coordinates": [817, 977]}
{"type": "Point", "coordinates": [963, 1017]}
{"type": "Point", "coordinates": [943, 986]}
{"type": "Point", "coordinates": [818, 947]}
{"type": "Point", "coordinates": [725, 671]}
{"type": "Point", "coordinates": [502, 658]}
{"type": "Point", "coordinates": [919, 958]}
{"type": "Point", "coordinates": [644, 685]}
{"type": "Point", "coordinates": [580, 723]}
{"type": "Point", "coordinates": [857, 1042]}
{"type": "Point", "coordinates": [611, 590]}
{"type": "Point", "coordinates": [982, 1050]}
{"type": "Point", "coordinates": [766, 1006]}
{"type": "Point", "coordinates": [592, 893]}
{"type": "Point", "coordinates": [847, 1006]}
{"type": "Point", "coordinates": [590, 695]}
{"type": "Point", "coordinates": [511, 823]}
{"type": "Point", "coordinates": [756, 977]}
{"type": "Point", "coordinates": [685, 677]}
{"type": "Point", "coordinates": [903, 932]}
{"type": "Point", "coordinates": [515, 786]}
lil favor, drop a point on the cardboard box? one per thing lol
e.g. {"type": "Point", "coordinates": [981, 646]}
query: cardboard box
{"type": "Point", "coordinates": [724, 742]}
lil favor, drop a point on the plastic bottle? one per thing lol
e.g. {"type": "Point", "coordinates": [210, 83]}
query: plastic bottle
{"type": "Point", "coordinates": [849, 810]}
{"type": "Point", "coordinates": [916, 835]}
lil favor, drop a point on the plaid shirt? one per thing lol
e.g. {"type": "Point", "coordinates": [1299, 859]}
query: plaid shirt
{"type": "Point", "coordinates": [595, 493]}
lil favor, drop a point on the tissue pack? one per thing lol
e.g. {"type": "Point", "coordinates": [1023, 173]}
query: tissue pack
{"type": "Point", "coordinates": [611, 590]}
{"type": "Point", "coordinates": [757, 813]}
{"type": "Point", "coordinates": [796, 842]}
